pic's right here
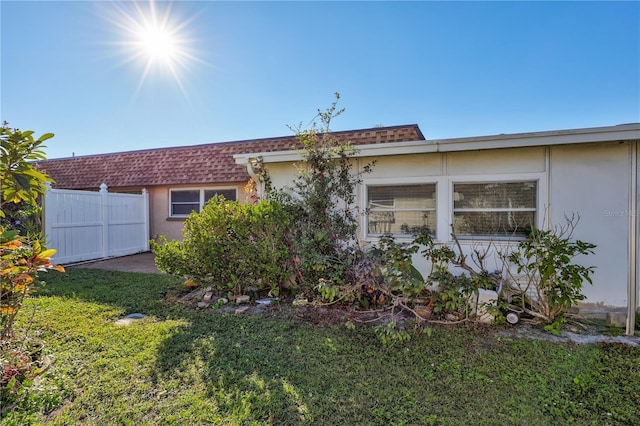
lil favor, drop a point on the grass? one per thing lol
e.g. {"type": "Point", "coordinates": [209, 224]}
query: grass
{"type": "Point", "coordinates": [181, 366]}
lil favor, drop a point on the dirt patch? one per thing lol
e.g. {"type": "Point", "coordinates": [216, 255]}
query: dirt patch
{"type": "Point", "coordinates": [579, 331]}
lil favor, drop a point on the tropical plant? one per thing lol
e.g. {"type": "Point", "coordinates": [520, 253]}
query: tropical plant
{"type": "Point", "coordinates": [452, 293]}
{"type": "Point", "coordinates": [19, 179]}
{"type": "Point", "coordinates": [20, 262]}
{"type": "Point", "coordinates": [21, 257]}
{"type": "Point", "coordinates": [545, 279]}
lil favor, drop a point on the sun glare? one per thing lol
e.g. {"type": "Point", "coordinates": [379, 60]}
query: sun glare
{"type": "Point", "coordinates": [158, 43]}
{"type": "Point", "coordinates": [154, 38]}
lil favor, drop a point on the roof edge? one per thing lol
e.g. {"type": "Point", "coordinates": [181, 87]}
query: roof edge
{"type": "Point", "coordinates": [240, 142]}
{"type": "Point", "coordinates": [515, 140]}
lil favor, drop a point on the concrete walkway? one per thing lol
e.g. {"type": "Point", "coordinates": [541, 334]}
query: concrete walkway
{"type": "Point", "coordinates": [142, 262]}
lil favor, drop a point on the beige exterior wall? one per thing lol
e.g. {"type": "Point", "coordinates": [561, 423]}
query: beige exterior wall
{"type": "Point", "coordinates": [494, 161]}
{"type": "Point", "coordinates": [592, 180]}
{"type": "Point", "coordinates": [404, 165]}
{"type": "Point", "coordinates": [281, 174]}
{"type": "Point", "coordinates": [160, 221]}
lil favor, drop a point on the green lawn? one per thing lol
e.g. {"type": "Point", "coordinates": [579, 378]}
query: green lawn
{"type": "Point", "coordinates": [182, 366]}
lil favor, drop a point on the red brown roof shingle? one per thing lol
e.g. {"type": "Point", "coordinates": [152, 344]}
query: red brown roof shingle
{"type": "Point", "coordinates": [197, 164]}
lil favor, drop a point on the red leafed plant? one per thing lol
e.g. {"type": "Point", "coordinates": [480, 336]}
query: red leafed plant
{"type": "Point", "coordinates": [20, 262]}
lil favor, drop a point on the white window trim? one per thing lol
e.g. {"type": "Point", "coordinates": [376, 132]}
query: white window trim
{"type": "Point", "coordinates": [444, 200]}
{"type": "Point", "coordinates": [541, 200]}
{"type": "Point", "coordinates": [431, 180]}
{"type": "Point", "coordinates": [201, 197]}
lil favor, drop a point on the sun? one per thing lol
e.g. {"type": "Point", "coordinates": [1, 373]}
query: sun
{"type": "Point", "coordinates": [154, 38]}
{"type": "Point", "coordinates": [158, 43]}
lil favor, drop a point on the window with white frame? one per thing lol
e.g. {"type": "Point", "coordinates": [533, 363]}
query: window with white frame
{"type": "Point", "coordinates": [184, 201]}
{"type": "Point", "coordinates": [494, 209]}
{"type": "Point", "coordinates": [401, 209]}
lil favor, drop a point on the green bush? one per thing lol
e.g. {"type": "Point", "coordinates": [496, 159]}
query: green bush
{"type": "Point", "coordinates": [550, 280]}
{"type": "Point", "coordinates": [230, 246]}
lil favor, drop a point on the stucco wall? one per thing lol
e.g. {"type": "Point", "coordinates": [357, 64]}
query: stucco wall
{"type": "Point", "coordinates": [281, 174]}
{"type": "Point", "coordinates": [589, 179]}
{"type": "Point", "coordinates": [593, 181]}
{"type": "Point", "coordinates": [171, 228]}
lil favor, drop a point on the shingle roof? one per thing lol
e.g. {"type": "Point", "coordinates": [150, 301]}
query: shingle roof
{"type": "Point", "coordinates": [197, 164]}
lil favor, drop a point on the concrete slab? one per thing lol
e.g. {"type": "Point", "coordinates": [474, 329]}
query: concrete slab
{"type": "Point", "coordinates": [142, 262]}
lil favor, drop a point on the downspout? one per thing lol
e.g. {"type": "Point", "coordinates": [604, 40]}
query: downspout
{"type": "Point", "coordinates": [254, 167]}
{"type": "Point", "coordinates": [632, 301]}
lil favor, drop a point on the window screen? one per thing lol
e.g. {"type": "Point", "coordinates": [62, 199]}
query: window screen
{"type": "Point", "coordinates": [184, 202]}
{"type": "Point", "coordinates": [401, 209]}
{"type": "Point", "coordinates": [501, 209]}
{"type": "Point", "coordinates": [228, 194]}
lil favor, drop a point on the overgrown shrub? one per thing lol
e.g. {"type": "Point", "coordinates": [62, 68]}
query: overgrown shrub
{"type": "Point", "coordinates": [230, 246]}
{"type": "Point", "coordinates": [322, 206]}
{"type": "Point", "coordinates": [383, 275]}
{"type": "Point", "coordinates": [545, 279]}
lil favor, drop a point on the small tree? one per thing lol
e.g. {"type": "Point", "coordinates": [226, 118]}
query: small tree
{"type": "Point", "coordinates": [322, 204]}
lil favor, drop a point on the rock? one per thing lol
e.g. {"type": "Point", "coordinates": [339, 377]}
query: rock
{"type": "Point", "coordinates": [241, 309]}
{"type": "Point", "coordinates": [202, 304]}
{"type": "Point", "coordinates": [130, 319]}
{"type": "Point", "coordinates": [207, 296]}
{"type": "Point", "coordinates": [266, 301]}
{"type": "Point", "coordinates": [242, 299]}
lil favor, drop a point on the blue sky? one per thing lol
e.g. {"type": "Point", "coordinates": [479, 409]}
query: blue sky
{"type": "Point", "coordinates": [454, 68]}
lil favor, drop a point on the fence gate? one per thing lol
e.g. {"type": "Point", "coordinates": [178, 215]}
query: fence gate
{"type": "Point", "coordinates": [87, 225]}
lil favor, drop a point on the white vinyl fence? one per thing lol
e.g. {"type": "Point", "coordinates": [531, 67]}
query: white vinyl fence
{"type": "Point", "coordinates": [87, 225]}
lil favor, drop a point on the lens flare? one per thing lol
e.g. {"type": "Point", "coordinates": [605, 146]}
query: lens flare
{"type": "Point", "coordinates": [152, 37]}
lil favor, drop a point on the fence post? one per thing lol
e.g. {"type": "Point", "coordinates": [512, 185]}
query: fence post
{"type": "Point", "coordinates": [104, 204]}
{"type": "Point", "coordinates": [46, 215]}
{"type": "Point", "coordinates": [145, 194]}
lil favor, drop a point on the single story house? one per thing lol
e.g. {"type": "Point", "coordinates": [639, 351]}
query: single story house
{"type": "Point", "coordinates": [493, 188]}
{"type": "Point", "coordinates": [488, 188]}
{"type": "Point", "coordinates": [181, 179]}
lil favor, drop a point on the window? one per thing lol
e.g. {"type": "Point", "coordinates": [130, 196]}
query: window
{"type": "Point", "coordinates": [183, 202]}
{"type": "Point", "coordinates": [494, 209]}
{"type": "Point", "coordinates": [401, 209]}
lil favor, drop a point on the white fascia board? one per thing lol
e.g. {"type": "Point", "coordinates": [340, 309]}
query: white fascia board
{"type": "Point", "coordinates": [269, 157]}
{"type": "Point", "coordinates": [622, 132]}
{"type": "Point", "coordinates": [557, 137]}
